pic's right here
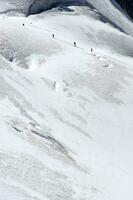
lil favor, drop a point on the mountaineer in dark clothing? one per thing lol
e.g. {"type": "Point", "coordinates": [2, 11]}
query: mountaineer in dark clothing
{"type": "Point", "coordinates": [74, 44]}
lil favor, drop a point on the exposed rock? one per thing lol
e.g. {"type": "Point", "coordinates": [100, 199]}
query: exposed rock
{"type": "Point", "coordinates": [127, 5]}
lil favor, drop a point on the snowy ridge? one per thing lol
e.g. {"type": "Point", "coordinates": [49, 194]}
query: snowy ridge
{"type": "Point", "coordinates": [66, 112]}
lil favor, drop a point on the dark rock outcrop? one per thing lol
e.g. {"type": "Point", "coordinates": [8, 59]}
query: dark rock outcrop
{"type": "Point", "coordinates": [127, 5]}
{"type": "Point", "coordinates": [39, 6]}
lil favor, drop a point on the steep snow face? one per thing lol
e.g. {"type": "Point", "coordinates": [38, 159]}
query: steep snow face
{"type": "Point", "coordinates": [109, 10]}
{"type": "Point", "coordinates": [114, 13]}
{"type": "Point", "coordinates": [91, 32]}
{"type": "Point", "coordinates": [66, 112]}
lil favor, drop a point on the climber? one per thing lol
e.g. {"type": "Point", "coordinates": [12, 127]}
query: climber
{"type": "Point", "coordinates": [23, 24]}
{"type": "Point", "coordinates": [74, 44]}
{"type": "Point", "coordinates": [91, 50]}
{"type": "Point", "coordinates": [53, 35]}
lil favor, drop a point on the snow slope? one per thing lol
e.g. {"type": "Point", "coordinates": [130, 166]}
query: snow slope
{"type": "Point", "coordinates": [66, 113]}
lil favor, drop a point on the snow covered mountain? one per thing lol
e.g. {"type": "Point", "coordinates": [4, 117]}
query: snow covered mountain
{"type": "Point", "coordinates": [65, 112]}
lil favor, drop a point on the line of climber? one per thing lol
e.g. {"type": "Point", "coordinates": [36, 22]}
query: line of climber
{"type": "Point", "coordinates": [74, 43]}
{"type": "Point", "coordinates": [53, 36]}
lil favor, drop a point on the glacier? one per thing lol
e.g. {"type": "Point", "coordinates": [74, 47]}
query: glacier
{"type": "Point", "coordinates": [65, 112]}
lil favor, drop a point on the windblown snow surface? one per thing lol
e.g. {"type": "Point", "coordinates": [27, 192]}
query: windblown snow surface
{"type": "Point", "coordinates": [66, 114]}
